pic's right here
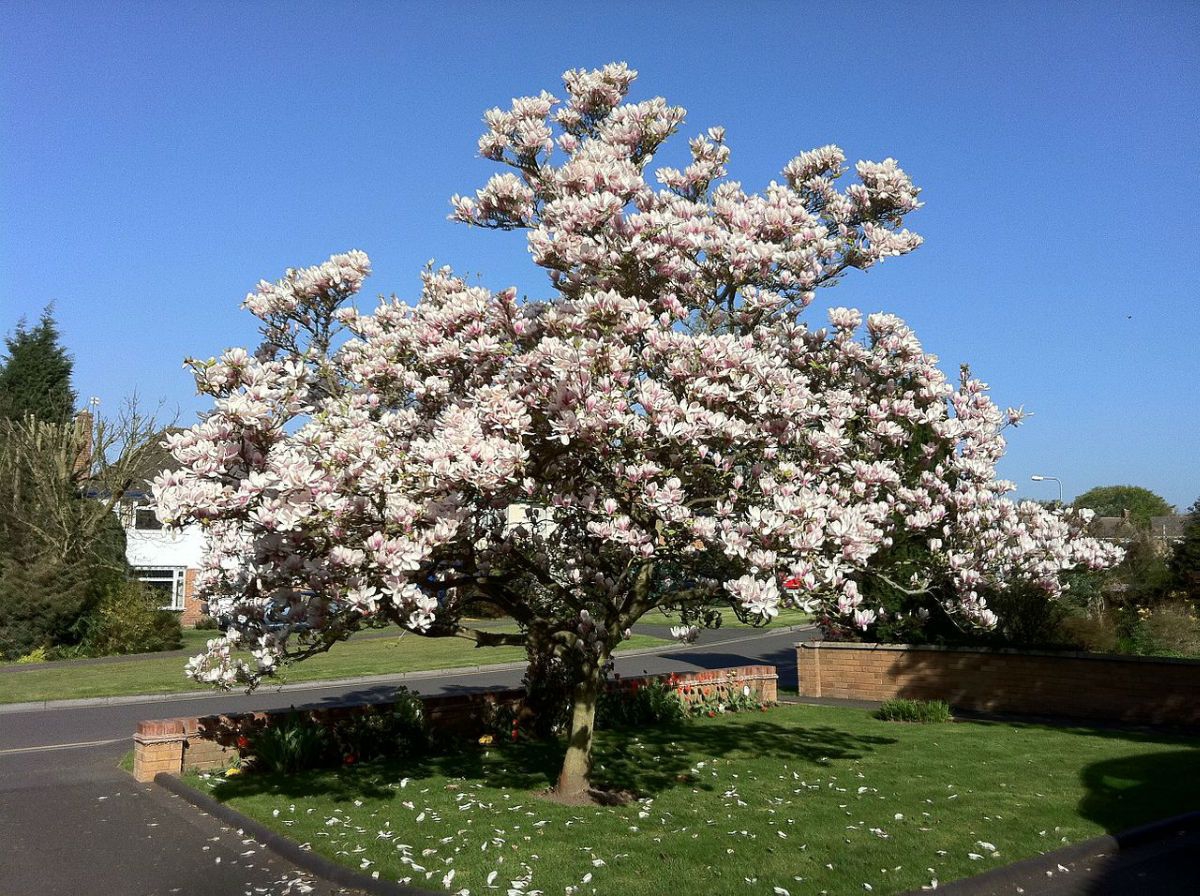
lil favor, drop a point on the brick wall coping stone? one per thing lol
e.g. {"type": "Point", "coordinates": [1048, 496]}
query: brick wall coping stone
{"type": "Point", "coordinates": [1011, 651]}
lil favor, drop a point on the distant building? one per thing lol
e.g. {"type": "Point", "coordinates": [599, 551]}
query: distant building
{"type": "Point", "coordinates": [1168, 529]}
{"type": "Point", "coordinates": [1165, 531]}
{"type": "Point", "coordinates": [165, 560]}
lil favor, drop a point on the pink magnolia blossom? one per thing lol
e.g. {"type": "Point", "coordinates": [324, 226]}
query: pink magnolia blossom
{"type": "Point", "coordinates": [665, 431]}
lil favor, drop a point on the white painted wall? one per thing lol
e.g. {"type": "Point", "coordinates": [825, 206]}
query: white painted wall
{"type": "Point", "coordinates": [150, 547]}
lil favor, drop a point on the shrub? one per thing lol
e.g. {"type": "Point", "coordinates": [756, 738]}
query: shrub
{"type": "Point", "coordinates": [1028, 618]}
{"type": "Point", "coordinates": [291, 745]}
{"type": "Point", "coordinates": [921, 711]}
{"type": "Point", "coordinates": [715, 699]}
{"type": "Point", "coordinates": [485, 609]}
{"type": "Point", "coordinates": [37, 655]}
{"type": "Point", "coordinates": [207, 624]}
{"type": "Point", "coordinates": [1169, 629]}
{"type": "Point", "coordinates": [129, 620]}
{"type": "Point", "coordinates": [639, 703]}
{"type": "Point", "coordinates": [68, 652]}
{"type": "Point", "coordinates": [546, 709]}
{"type": "Point", "coordinates": [1173, 630]}
{"type": "Point", "coordinates": [389, 731]}
{"type": "Point", "coordinates": [45, 602]}
{"type": "Point", "coordinates": [296, 742]}
{"type": "Point", "coordinates": [1098, 634]}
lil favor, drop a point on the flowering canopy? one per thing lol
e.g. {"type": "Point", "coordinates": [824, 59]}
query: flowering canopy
{"type": "Point", "coordinates": [663, 432]}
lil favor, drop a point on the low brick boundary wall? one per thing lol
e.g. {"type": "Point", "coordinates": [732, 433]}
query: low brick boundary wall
{"type": "Point", "coordinates": [1086, 686]}
{"type": "Point", "coordinates": [210, 742]}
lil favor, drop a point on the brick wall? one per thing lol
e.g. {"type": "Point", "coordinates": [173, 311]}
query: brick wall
{"type": "Point", "coordinates": [1100, 687]}
{"type": "Point", "coordinates": [193, 609]}
{"type": "Point", "coordinates": [210, 742]}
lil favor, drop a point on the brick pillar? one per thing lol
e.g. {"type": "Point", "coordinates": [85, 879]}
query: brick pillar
{"type": "Point", "coordinates": [768, 685]}
{"type": "Point", "coordinates": [808, 668]}
{"type": "Point", "coordinates": [191, 606]}
{"type": "Point", "coordinates": [158, 747]}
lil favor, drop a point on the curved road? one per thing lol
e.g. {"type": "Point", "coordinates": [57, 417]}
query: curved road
{"type": "Point", "coordinates": [72, 822]}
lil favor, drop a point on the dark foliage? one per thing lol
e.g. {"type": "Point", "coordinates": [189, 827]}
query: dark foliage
{"type": "Point", "coordinates": [296, 742]}
{"type": "Point", "coordinates": [639, 704]}
{"type": "Point", "coordinates": [1115, 500]}
{"type": "Point", "coordinates": [46, 600]}
{"type": "Point", "coordinates": [1185, 558]}
{"type": "Point", "coordinates": [128, 619]}
{"type": "Point", "coordinates": [35, 375]}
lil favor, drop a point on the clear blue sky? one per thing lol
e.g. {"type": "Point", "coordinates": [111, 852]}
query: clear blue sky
{"type": "Point", "coordinates": [157, 159]}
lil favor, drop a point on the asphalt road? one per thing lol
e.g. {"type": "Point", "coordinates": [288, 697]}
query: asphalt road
{"type": "Point", "coordinates": [72, 822]}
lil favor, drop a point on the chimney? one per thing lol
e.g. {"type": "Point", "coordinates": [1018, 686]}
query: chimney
{"type": "Point", "coordinates": [85, 433]}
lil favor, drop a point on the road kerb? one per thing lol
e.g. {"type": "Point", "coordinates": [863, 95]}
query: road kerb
{"type": "Point", "coordinates": [285, 847]}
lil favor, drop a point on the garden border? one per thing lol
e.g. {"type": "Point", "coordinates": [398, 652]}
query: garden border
{"type": "Point", "coordinates": [207, 743]}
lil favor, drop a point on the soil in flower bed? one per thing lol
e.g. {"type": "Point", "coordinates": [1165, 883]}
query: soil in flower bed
{"type": "Point", "coordinates": [797, 800]}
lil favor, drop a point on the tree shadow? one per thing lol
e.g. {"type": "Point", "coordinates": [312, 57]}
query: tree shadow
{"type": "Point", "coordinates": [646, 761]}
{"type": "Point", "coordinates": [1134, 790]}
{"type": "Point", "coordinates": [650, 761]}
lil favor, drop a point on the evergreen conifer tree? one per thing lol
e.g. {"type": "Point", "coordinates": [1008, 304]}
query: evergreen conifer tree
{"type": "Point", "coordinates": [61, 548]}
{"type": "Point", "coordinates": [35, 375]}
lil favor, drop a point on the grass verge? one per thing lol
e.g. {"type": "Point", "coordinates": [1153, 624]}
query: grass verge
{"type": "Point", "coordinates": [786, 617]}
{"type": "Point", "coordinates": [164, 674]}
{"type": "Point", "coordinates": [798, 800]}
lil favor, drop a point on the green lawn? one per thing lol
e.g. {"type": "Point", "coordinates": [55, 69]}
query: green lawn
{"type": "Point", "coordinates": [786, 617]}
{"type": "Point", "coordinates": [789, 616]}
{"type": "Point", "coordinates": [164, 674]}
{"type": "Point", "coordinates": [797, 800]}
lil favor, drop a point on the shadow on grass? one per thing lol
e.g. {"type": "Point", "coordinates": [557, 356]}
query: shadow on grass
{"type": "Point", "coordinates": [646, 761]}
{"type": "Point", "coordinates": [1134, 790]}
{"type": "Point", "coordinates": [654, 760]}
{"type": "Point", "coordinates": [1185, 738]}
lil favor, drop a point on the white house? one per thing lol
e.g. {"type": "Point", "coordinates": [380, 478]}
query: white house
{"type": "Point", "coordinates": [168, 560]}
{"type": "Point", "coordinates": [165, 560]}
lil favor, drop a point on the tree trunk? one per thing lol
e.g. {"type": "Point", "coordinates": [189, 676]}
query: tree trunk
{"type": "Point", "coordinates": [575, 777]}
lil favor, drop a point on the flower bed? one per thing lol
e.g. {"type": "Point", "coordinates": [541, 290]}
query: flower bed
{"type": "Point", "coordinates": [212, 742]}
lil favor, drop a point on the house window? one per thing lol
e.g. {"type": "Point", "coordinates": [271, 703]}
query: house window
{"type": "Point", "coordinates": [167, 580]}
{"type": "Point", "coordinates": [145, 518]}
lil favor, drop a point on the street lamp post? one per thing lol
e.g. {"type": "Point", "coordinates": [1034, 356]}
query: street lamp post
{"type": "Point", "coordinates": [1051, 479]}
{"type": "Point", "coordinates": [93, 416]}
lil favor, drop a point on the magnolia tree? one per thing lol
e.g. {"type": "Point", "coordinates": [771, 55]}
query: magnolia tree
{"type": "Point", "coordinates": [662, 433]}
